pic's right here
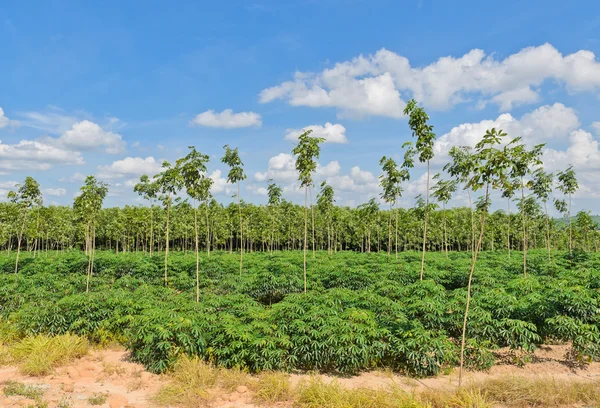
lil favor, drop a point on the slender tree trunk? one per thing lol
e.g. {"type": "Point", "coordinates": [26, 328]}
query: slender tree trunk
{"type": "Point", "coordinates": [474, 261]}
{"type": "Point", "coordinates": [151, 227]}
{"type": "Point", "coordinates": [208, 234]}
{"type": "Point", "coordinates": [197, 255]}
{"type": "Point", "coordinates": [445, 233]}
{"type": "Point", "coordinates": [425, 223]}
{"type": "Point", "coordinates": [305, 231]}
{"type": "Point", "coordinates": [312, 210]}
{"type": "Point", "coordinates": [241, 228]}
{"type": "Point", "coordinates": [508, 231]}
{"type": "Point", "coordinates": [19, 239]}
{"type": "Point", "coordinates": [167, 238]}
{"type": "Point", "coordinates": [524, 229]}
{"type": "Point", "coordinates": [570, 228]}
{"type": "Point", "coordinates": [396, 200]}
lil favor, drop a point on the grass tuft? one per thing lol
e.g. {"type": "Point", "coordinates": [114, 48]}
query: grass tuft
{"type": "Point", "coordinates": [39, 355]}
{"type": "Point", "coordinates": [190, 385]}
{"type": "Point", "coordinates": [11, 388]}
{"type": "Point", "coordinates": [272, 387]}
{"type": "Point", "coordinates": [230, 379]}
{"type": "Point", "coordinates": [97, 398]}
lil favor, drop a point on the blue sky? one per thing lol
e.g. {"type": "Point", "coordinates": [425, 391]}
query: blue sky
{"type": "Point", "coordinates": [113, 88]}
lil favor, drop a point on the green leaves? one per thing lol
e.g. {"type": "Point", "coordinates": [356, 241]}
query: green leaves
{"type": "Point", "coordinates": [306, 151]}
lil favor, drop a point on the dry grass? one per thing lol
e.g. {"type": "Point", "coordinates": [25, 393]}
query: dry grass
{"type": "Point", "coordinates": [315, 393]}
{"type": "Point", "coordinates": [230, 379]}
{"type": "Point", "coordinates": [190, 385]}
{"type": "Point", "coordinates": [272, 387]}
{"type": "Point", "coordinates": [541, 392]}
{"type": "Point", "coordinates": [39, 355]}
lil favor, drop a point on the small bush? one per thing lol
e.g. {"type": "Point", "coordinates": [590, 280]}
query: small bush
{"type": "Point", "coordinates": [273, 387]}
{"type": "Point", "coordinates": [18, 388]}
{"type": "Point", "coordinates": [97, 398]}
{"type": "Point", "coordinates": [39, 355]}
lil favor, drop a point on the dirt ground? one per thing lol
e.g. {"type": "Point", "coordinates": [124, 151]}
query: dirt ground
{"type": "Point", "coordinates": [125, 384]}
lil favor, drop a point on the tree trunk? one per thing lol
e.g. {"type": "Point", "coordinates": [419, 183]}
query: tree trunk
{"type": "Point", "coordinates": [508, 231]}
{"type": "Point", "coordinates": [167, 238]}
{"type": "Point", "coordinates": [445, 233]}
{"type": "Point", "coordinates": [19, 239]}
{"type": "Point", "coordinates": [305, 231]}
{"type": "Point", "coordinates": [474, 261]}
{"type": "Point", "coordinates": [570, 228]}
{"type": "Point", "coordinates": [425, 223]}
{"type": "Point", "coordinates": [241, 228]}
{"type": "Point", "coordinates": [524, 229]}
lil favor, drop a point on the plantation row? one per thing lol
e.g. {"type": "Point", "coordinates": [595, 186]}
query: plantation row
{"type": "Point", "coordinates": [363, 229]}
{"type": "Point", "coordinates": [361, 311]}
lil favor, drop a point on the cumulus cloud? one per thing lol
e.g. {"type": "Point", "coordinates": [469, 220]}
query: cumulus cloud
{"type": "Point", "coordinates": [55, 192]}
{"type": "Point", "coordinates": [549, 123]}
{"type": "Point", "coordinates": [596, 127]}
{"type": "Point", "coordinates": [281, 168]}
{"type": "Point", "coordinates": [332, 133]}
{"type": "Point", "coordinates": [372, 85]}
{"type": "Point", "coordinates": [35, 155]}
{"type": "Point", "coordinates": [227, 119]}
{"type": "Point", "coordinates": [86, 135]}
{"type": "Point", "coordinates": [130, 166]}
{"type": "Point", "coordinates": [5, 122]}
{"type": "Point", "coordinates": [75, 178]}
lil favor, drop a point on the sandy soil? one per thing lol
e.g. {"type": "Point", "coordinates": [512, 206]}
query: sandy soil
{"type": "Point", "coordinates": [128, 385]}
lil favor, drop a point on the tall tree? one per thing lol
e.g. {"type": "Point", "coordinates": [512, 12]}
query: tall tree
{"type": "Point", "coordinates": [392, 190]}
{"type": "Point", "coordinates": [325, 203]}
{"type": "Point", "coordinates": [423, 131]}
{"type": "Point", "coordinates": [274, 192]}
{"type": "Point", "coordinates": [442, 191]}
{"type": "Point", "coordinates": [487, 170]}
{"type": "Point", "coordinates": [169, 182]}
{"type": "Point", "coordinates": [25, 198]}
{"type": "Point", "coordinates": [542, 188]}
{"type": "Point", "coordinates": [197, 184]}
{"type": "Point", "coordinates": [88, 205]}
{"type": "Point", "coordinates": [306, 151]}
{"type": "Point", "coordinates": [508, 192]}
{"type": "Point", "coordinates": [460, 167]}
{"type": "Point", "coordinates": [568, 185]}
{"type": "Point", "coordinates": [148, 190]}
{"type": "Point", "coordinates": [521, 162]}
{"type": "Point", "coordinates": [235, 176]}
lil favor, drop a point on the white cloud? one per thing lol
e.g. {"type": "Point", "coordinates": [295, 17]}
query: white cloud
{"type": "Point", "coordinates": [86, 135]}
{"type": "Point", "coordinates": [332, 133]}
{"type": "Point", "coordinates": [357, 181]}
{"type": "Point", "coordinates": [56, 192]}
{"type": "Point", "coordinates": [35, 155]}
{"type": "Point", "coordinates": [220, 184]}
{"type": "Point", "coordinates": [549, 123]}
{"type": "Point", "coordinates": [280, 168]}
{"type": "Point", "coordinates": [8, 184]}
{"type": "Point", "coordinates": [227, 119]}
{"type": "Point", "coordinates": [130, 166]}
{"type": "Point", "coordinates": [596, 126]}
{"type": "Point", "coordinates": [583, 153]}
{"type": "Point", "coordinates": [75, 178]}
{"type": "Point", "coordinates": [372, 85]}
{"type": "Point", "coordinates": [5, 121]}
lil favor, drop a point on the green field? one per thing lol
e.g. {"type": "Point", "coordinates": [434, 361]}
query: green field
{"type": "Point", "coordinates": [361, 311]}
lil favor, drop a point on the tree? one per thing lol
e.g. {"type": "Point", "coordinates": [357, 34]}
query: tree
{"type": "Point", "coordinates": [325, 203]}
{"type": "Point", "coordinates": [442, 191]}
{"type": "Point", "coordinates": [25, 198]}
{"type": "Point", "coordinates": [508, 192]}
{"type": "Point", "coordinates": [148, 190]}
{"type": "Point", "coordinates": [235, 176]}
{"type": "Point", "coordinates": [487, 169]}
{"type": "Point", "coordinates": [568, 185]}
{"type": "Point", "coordinates": [193, 174]}
{"type": "Point", "coordinates": [274, 192]}
{"type": "Point", "coordinates": [88, 205]}
{"type": "Point", "coordinates": [460, 167]}
{"type": "Point", "coordinates": [390, 183]}
{"type": "Point", "coordinates": [542, 188]}
{"type": "Point", "coordinates": [306, 151]}
{"type": "Point", "coordinates": [417, 122]}
{"type": "Point", "coordinates": [169, 182]}
{"type": "Point", "coordinates": [368, 215]}
{"type": "Point", "coordinates": [521, 161]}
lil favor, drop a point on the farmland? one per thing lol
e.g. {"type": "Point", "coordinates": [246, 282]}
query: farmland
{"type": "Point", "coordinates": [361, 311]}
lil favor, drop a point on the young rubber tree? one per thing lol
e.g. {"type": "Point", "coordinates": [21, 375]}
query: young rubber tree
{"type": "Point", "coordinates": [390, 183]}
{"type": "Point", "coordinates": [417, 121]}
{"type": "Point", "coordinates": [148, 190]}
{"type": "Point", "coordinates": [88, 205]}
{"type": "Point", "coordinates": [197, 184]}
{"type": "Point", "coordinates": [521, 162]}
{"type": "Point", "coordinates": [367, 213]}
{"type": "Point", "coordinates": [169, 182]}
{"type": "Point", "coordinates": [25, 198]}
{"type": "Point", "coordinates": [235, 176]}
{"type": "Point", "coordinates": [306, 151]}
{"type": "Point", "coordinates": [568, 185]}
{"type": "Point", "coordinates": [274, 192]}
{"type": "Point", "coordinates": [442, 191]}
{"type": "Point", "coordinates": [487, 170]}
{"type": "Point", "coordinates": [325, 204]}
{"type": "Point", "coordinates": [508, 192]}
{"type": "Point", "coordinates": [542, 188]}
{"type": "Point", "coordinates": [460, 168]}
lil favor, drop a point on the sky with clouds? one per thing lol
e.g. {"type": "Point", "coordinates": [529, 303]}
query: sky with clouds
{"type": "Point", "coordinates": [114, 88]}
